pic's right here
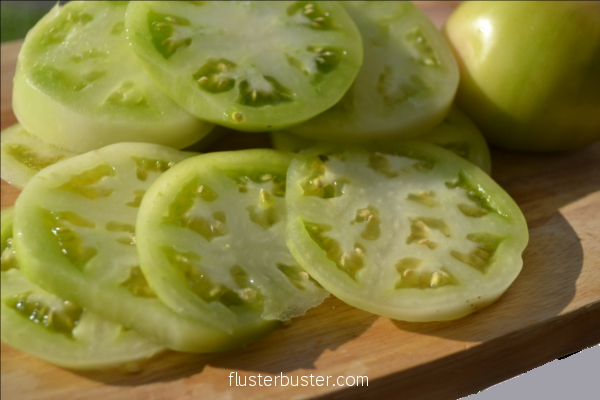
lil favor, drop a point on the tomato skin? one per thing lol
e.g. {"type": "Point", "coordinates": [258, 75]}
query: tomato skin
{"type": "Point", "coordinates": [530, 72]}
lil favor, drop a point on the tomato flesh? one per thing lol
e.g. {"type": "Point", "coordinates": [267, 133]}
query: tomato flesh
{"type": "Point", "coordinates": [79, 216]}
{"type": "Point", "coordinates": [412, 231]}
{"type": "Point", "coordinates": [251, 66]}
{"type": "Point", "coordinates": [79, 85]}
{"type": "Point", "coordinates": [406, 84]}
{"type": "Point", "coordinates": [211, 238]}
{"type": "Point", "coordinates": [456, 133]}
{"type": "Point", "coordinates": [461, 136]}
{"type": "Point", "coordinates": [59, 331]}
{"type": "Point", "coordinates": [24, 155]}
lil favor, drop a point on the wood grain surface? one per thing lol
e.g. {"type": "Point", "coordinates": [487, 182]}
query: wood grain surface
{"type": "Point", "coordinates": [552, 309]}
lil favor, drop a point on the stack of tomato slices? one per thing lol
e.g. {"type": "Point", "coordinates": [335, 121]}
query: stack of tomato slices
{"type": "Point", "coordinates": [124, 243]}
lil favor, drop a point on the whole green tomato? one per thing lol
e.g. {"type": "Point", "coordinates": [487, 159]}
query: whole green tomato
{"type": "Point", "coordinates": [530, 71]}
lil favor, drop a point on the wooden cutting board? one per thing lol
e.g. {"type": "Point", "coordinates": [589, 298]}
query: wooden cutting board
{"type": "Point", "coordinates": [552, 309]}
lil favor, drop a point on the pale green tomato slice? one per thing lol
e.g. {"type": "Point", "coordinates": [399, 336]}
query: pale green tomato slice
{"type": "Point", "coordinates": [211, 238]}
{"type": "Point", "coordinates": [461, 136]}
{"type": "Point", "coordinates": [456, 133]}
{"type": "Point", "coordinates": [79, 216]}
{"type": "Point", "coordinates": [59, 331]}
{"type": "Point", "coordinates": [24, 155]}
{"type": "Point", "coordinates": [406, 84]}
{"type": "Point", "coordinates": [411, 231]}
{"type": "Point", "coordinates": [79, 85]}
{"type": "Point", "coordinates": [248, 65]}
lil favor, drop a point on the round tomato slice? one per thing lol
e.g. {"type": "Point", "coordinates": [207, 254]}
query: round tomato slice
{"type": "Point", "coordinates": [75, 236]}
{"type": "Point", "coordinates": [24, 155]}
{"type": "Point", "coordinates": [211, 239]}
{"type": "Point", "coordinates": [248, 65]}
{"type": "Point", "coordinates": [406, 84]}
{"type": "Point", "coordinates": [412, 232]}
{"type": "Point", "coordinates": [59, 331]}
{"type": "Point", "coordinates": [78, 84]}
{"type": "Point", "coordinates": [456, 133]}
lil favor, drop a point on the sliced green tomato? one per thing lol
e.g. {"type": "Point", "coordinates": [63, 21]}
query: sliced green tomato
{"type": "Point", "coordinates": [59, 331]}
{"type": "Point", "coordinates": [251, 65]}
{"type": "Point", "coordinates": [456, 133]}
{"type": "Point", "coordinates": [461, 136]}
{"type": "Point", "coordinates": [79, 217]}
{"type": "Point", "coordinates": [405, 86]}
{"type": "Point", "coordinates": [412, 232]}
{"type": "Point", "coordinates": [79, 86]}
{"type": "Point", "coordinates": [24, 155]}
{"type": "Point", "coordinates": [211, 239]}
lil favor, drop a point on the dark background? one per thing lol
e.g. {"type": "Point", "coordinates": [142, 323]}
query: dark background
{"type": "Point", "coordinates": [19, 16]}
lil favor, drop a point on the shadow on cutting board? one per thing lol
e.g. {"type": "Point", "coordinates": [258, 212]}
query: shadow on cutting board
{"type": "Point", "coordinates": [553, 259]}
{"type": "Point", "coordinates": [545, 286]}
{"type": "Point", "coordinates": [288, 348]}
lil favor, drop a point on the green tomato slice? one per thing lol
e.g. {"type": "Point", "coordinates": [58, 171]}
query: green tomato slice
{"type": "Point", "coordinates": [406, 84]}
{"type": "Point", "coordinates": [456, 133]}
{"type": "Point", "coordinates": [79, 216]}
{"type": "Point", "coordinates": [461, 136]}
{"type": "Point", "coordinates": [412, 231]}
{"type": "Point", "coordinates": [251, 65]}
{"type": "Point", "coordinates": [24, 155]}
{"type": "Point", "coordinates": [211, 238]}
{"type": "Point", "coordinates": [59, 331]}
{"type": "Point", "coordinates": [79, 85]}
